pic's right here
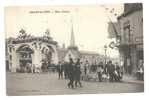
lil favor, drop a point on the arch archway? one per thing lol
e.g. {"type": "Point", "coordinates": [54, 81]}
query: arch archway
{"type": "Point", "coordinates": [24, 54]}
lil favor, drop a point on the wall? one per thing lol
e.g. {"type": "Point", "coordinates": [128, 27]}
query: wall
{"type": "Point", "coordinates": [135, 37]}
{"type": "Point", "coordinates": [136, 25]}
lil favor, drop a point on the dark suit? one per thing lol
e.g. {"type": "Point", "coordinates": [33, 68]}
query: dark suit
{"type": "Point", "coordinates": [77, 74]}
{"type": "Point", "coordinates": [60, 71]}
{"type": "Point", "coordinates": [111, 70]}
{"type": "Point", "coordinates": [71, 74]}
{"type": "Point", "coordinates": [66, 70]}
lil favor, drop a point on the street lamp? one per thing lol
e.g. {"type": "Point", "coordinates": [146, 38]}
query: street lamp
{"type": "Point", "coordinates": [105, 49]}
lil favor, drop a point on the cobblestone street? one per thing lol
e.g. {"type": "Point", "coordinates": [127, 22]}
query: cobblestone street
{"type": "Point", "coordinates": [49, 84]}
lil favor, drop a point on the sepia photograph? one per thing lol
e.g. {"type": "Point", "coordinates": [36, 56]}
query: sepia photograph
{"type": "Point", "coordinates": [74, 49]}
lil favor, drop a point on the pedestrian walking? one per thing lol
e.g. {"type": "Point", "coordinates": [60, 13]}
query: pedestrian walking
{"type": "Point", "coordinates": [60, 70]}
{"type": "Point", "coordinates": [100, 71]}
{"type": "Point", "coordinates": [117, 72]}
{"type": "Point", "coordinates": [111, 69]}
{"type": "Point", "coordinates": [82, 71]}
{"type": "Point", "coordinates": [86, 67]}
{"type": "Point", "coordinates": [71, 73]}
{"type": "Point", "coordinates": [140, 70]}
{"type": "Point", "coordinates": [77, 73]}
{"type": "Point", "coordinates": [65, 66]}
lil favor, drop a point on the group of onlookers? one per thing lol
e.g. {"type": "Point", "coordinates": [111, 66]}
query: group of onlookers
{"type": "Point", "coordinates": [30, 68]}
{"type": "Point", "coordinates": [76, 71]}
{"type": "Point", "coordinates": [109, 71]}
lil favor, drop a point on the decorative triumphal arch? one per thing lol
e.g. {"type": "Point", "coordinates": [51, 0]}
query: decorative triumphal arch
{"type": "Point", "coordinates": [30, 51]}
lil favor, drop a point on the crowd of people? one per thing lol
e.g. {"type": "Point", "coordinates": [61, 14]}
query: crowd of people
{"type": "Point", "coordinates": [77, 71]}
{"type": "Point", "coordinates": [72, 71]}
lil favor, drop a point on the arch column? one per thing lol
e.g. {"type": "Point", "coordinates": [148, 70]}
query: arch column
{"type": "Point", "coordinates": [37, 58]}
{"type": "Point", "coordinates": [15, 61]}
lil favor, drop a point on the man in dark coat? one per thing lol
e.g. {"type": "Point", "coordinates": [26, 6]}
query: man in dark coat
{"type": "Point", "coordinates": [60, 70]}
{"type": "Point", "coordinates": [71, 73]}
{"type": "Point", "coordinates": [66, 70]}
{"type": "Point", "coordinates": [111, 69]}
{"type": "Point", "coordinates": [77, 73]}
{"type": "Point", "coordinates": [100, 71]}
{"type": "Point", "coordinates": [117, 72]}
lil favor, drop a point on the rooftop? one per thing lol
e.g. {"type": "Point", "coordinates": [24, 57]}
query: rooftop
{"type": "Point", "coordinates": [130, 8]}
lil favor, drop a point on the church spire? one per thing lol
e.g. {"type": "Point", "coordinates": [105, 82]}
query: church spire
{"type": "Point", "coordinates": [72, 39]}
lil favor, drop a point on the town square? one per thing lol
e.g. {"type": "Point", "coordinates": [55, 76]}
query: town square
{"type": "Point", "coordinates": [80, 49]}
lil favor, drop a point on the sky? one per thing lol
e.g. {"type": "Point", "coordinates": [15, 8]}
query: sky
{"type": "Point", "coordinates": [90, 24]}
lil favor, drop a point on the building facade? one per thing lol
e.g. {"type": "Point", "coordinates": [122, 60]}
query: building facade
{"type": "Point", "coordinates": [131, 36]}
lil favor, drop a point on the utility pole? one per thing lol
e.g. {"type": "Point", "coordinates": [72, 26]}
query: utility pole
{"type": "Point", "coordinates": [105, 49]}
